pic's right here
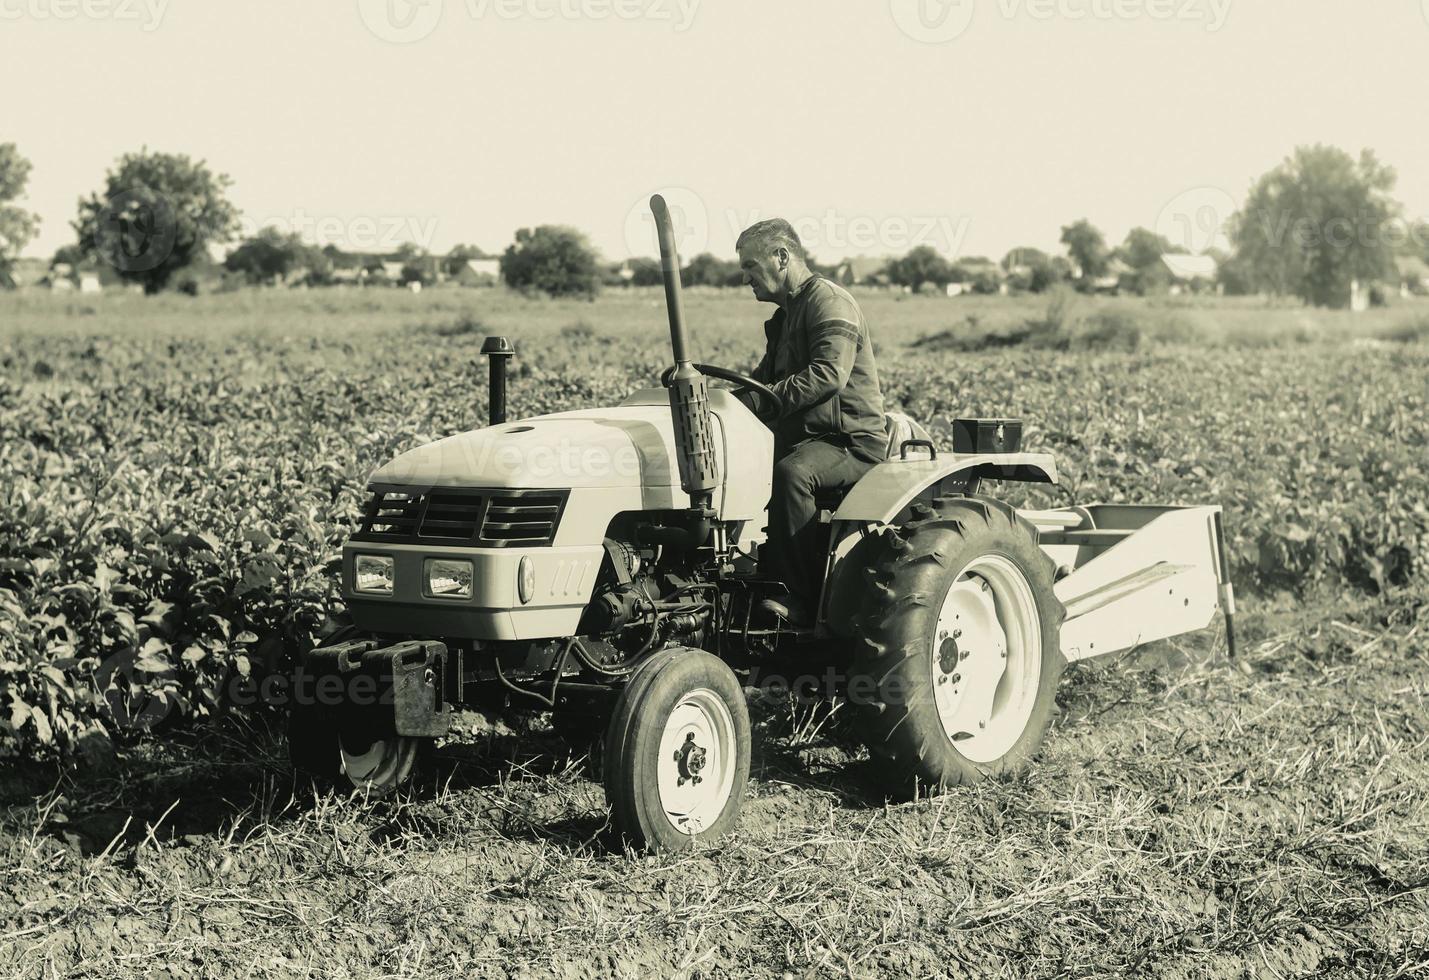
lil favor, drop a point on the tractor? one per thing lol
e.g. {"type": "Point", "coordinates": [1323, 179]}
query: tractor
{"type": "Point", "coordinates": [602, 564]}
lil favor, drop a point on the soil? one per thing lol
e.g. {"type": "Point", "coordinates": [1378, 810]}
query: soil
{"type": "Point", "coordinates": [1189, 817]}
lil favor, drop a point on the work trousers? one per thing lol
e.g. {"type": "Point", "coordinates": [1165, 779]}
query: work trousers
{"type": "Point", "coordinates": [825, 463]}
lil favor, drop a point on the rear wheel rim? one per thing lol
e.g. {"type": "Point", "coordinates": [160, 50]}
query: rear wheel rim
{"type": "Point", "coordinates": [382, 766]}
{"type": "Point", "coordinates": [695, 767]}
{"type": "Point", "coordinates": [986, 658]}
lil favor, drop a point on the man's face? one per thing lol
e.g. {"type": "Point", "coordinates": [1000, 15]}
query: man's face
{"type": "Point", "coordinates": [763, 271]}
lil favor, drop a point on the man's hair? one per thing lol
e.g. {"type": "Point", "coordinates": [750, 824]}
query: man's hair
{"type": "Point", "coordinates": [771, 234]}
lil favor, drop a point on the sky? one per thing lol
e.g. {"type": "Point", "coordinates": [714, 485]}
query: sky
{"type": "Point", "coordinates": [874, 125]}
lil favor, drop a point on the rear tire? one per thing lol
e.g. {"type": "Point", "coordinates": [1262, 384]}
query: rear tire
{"type": "Point", "coordinates": [676, 756]}
{"type": "Point", "coordinates": [957, 652]}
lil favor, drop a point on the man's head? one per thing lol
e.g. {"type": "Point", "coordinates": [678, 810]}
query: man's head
{"type": "Point", "coordinates": [771, 257]}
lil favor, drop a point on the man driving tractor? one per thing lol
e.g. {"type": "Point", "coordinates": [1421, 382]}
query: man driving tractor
{"type": "Point", "coordinates": [830, 428]}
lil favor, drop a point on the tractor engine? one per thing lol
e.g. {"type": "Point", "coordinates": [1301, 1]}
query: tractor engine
{"type": "Point", "coordinates": [652, 590]}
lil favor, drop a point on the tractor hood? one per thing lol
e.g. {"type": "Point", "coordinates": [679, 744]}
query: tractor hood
{"type": "Point", "coordinates": [614, 447]}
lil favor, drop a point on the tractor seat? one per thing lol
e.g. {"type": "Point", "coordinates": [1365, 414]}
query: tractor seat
{"type": "Point", "coordinates": [900, 429]}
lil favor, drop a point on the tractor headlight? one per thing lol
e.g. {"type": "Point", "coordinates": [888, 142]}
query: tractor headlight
{"type": "Point", "coordinates": [448, 578]}
{"type": "Point", "coordinates": [373, 574]}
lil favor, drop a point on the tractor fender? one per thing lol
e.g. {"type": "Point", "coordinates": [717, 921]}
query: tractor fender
{"type": "Point", "coordinates": [885, 493]}
{"type": "Point", "coordinates": [887, 489]}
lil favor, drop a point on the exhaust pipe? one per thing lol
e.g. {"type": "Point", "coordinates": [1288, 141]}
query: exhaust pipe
{"type": "Point", "coordinates": [689, 396]}
{"type": "Point", "coordinates": [499, 352]}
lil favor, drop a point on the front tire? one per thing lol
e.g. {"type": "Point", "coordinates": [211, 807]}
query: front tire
{"type": "Point", "coordinates": [957, 651]}
{"type": "Point", "coordinates": [676, 757]}
{"type": "Point", "coordinates": [378, 767]}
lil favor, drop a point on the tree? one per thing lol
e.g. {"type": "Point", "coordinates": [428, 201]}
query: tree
{"type": "Point", "coordinates": [455, 260]}
{"type": "Point", "coordinates": [418, 265]}
{"type": "Point", "coordinates": [552, 259]}
{"type": "Point", "coordinates": [708, 270]}
{"type": "Point", "coordinates": [1087, 248]}
{"type": "Point", "coordinates": [1317, 222]}
{"type": "Point", "coordinates": [1142, 250]}
{"type": "Point", "coordinates": [1031, 269]}
{"type": "Point", "coordinates": [17, 226]}
{"type": "Point", "coordinates": [980, 274]}
{"type": "Point", "coordinates": [645, 272]}
{"type": "Point", "coordinates": [157, 215]}
{"type": "Point", "coordinates": [270, 256]}
{"type": "Point", "coordinates": [921, 264]}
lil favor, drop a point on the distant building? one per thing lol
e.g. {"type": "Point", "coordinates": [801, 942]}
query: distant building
{"type": "Point", "coordinates": [482, 272]}
{"type": "Point", "coordinates": [1413, 275]}
{"type": "Point", "coordinates": [1110, 280]}
{"type": "Point", "coordinates": [862, 271]}
{"type": "Point", "coordinates": [23, 273]}
{"type": "Point", "coordinates": [1191, 273]}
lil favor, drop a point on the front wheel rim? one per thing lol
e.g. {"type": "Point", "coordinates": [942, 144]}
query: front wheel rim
{"type": "Point", "coordinates": [696, 764]}
{"type": "Point", "coordinates": [987, 658]}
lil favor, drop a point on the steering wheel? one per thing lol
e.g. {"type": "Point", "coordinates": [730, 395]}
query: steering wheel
{"type": "Point", "coordinates": [743, 382]}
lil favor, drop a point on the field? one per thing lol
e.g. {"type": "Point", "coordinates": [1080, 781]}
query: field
{"type": "Point", "coordinates": [178, 475]}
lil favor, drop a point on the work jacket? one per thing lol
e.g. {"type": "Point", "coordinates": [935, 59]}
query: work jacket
{"type": "Point", "coordinates": [819, 360]}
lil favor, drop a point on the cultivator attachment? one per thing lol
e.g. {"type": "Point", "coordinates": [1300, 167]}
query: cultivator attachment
{"type": "Point", "coordinates": [1129, 575]}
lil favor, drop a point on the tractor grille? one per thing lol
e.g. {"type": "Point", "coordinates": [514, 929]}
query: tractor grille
{"type": "Point", "coordinates": [482, 518]}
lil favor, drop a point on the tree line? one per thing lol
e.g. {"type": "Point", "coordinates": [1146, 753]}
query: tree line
{"type": "Point", "coordinates": [1308, 228]}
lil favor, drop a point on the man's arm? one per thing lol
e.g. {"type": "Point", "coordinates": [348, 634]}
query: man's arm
{"type": "Point", "coordinates": [831, 357]}
{"type": "Point", "coordinates": [765, 370]}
